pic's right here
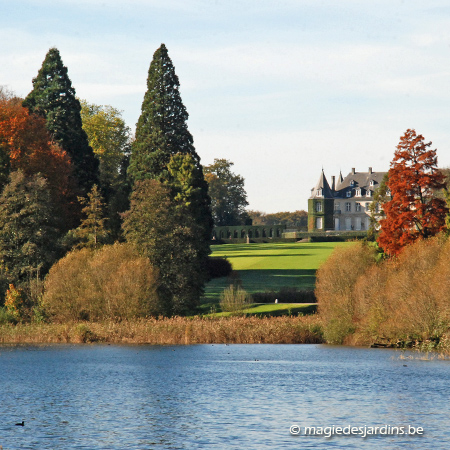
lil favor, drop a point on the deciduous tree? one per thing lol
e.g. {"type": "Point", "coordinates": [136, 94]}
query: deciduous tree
{"type": "Point", "coordinates": [26, 145]}
{"type": "Point", "coordinates": [228, 196]}
{"type": "Point", "coordinates": [414, 212]}
{"type": "Point", "coordinates": [110, 138]}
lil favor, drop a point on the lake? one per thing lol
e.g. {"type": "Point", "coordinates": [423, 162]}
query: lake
{"type": "Point", "coordinates": [221, 397]}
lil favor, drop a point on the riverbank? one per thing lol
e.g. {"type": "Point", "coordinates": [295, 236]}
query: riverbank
{"type": "Point", "coordinates": [177, 330]}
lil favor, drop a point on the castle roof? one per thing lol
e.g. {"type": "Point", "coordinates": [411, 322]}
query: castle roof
{"type": "Point", "coordinates": [357, 184]}
{"type": "Point", "coordinates": [322, 189]}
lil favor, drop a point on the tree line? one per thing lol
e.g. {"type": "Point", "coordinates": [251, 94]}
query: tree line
{"type": "Point", "coordinates": [73, 180]}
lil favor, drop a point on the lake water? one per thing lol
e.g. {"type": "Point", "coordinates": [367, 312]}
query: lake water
{"type": "Point", "coordinates": [219, 397]}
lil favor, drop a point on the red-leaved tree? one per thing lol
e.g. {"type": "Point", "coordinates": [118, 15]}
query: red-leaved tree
{"type": "Point", "coordinates": [414, 212]}
{"type": "Point", "coordinates": [26, 145]}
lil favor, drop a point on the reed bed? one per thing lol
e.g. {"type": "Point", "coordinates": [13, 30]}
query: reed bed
{"type": "Point", "coordinates": [172, 331]}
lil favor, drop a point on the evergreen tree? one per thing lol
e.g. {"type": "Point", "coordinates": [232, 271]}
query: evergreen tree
{"type": "Point", "coordinates": [164, 231]}
{"type": "Point", "coordinates": [162, 132]}
{"type": "Point", "coordinates": [91, 233]}
{"type": "Point", "coordinates": [54, 98]}
{"type": "Point", "coordinates": [28, 236]}
{"type": "Point", "coordinates": [163, 151]}
{"type": "Point", "coordinates": [162, 129]}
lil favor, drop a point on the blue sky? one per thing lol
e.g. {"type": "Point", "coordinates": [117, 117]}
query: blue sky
{"type": "Point", "coordinates": [281, 88]}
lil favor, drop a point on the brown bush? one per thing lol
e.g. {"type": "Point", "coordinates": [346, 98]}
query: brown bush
{"type": "Point", "coordinates": [401, 300]}
{"type": "Point", "coordinates": [113, 283]}
{"type": "Point", "coordinates": [336, 279]}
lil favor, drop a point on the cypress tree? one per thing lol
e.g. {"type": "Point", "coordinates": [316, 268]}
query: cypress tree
{"type": "Point", "coordinates": [54, 98]}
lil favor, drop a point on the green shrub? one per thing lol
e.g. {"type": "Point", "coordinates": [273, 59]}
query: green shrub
{"type": "Point", "coordinates": [113, 282]}
{"type": "Point", "coordinates": [218, 267]}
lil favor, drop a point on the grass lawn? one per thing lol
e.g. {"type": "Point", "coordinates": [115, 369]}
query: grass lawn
{"type": "Point", "coordinates": [265, 267]}
{"type": "Point", "coordinates": [272, 309]}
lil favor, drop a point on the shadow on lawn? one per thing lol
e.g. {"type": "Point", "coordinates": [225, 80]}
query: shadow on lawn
{"type": "Point", "coordinates": [264, 280]}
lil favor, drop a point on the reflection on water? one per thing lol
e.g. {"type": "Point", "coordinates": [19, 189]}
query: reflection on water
{"type": "Point", "coordinates": [217, 397]}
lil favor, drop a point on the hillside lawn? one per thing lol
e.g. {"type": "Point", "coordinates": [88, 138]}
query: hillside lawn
{"type": "Point", "coordinates": [267, 267]}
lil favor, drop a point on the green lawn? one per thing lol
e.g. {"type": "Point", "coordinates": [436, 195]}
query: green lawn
{"type": "Point", "coordinates": [264, 267]}
{"type": "Point", "coordinates": [272, 309]}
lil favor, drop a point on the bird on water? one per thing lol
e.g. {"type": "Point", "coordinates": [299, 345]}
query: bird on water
{"type": "Point", "coordinates": [22, 424]}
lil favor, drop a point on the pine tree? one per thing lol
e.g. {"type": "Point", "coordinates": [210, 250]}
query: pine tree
{"type": "Point", "coordinates": [54, 98]}
{"type": "Point", "coordinates": [92, 232]}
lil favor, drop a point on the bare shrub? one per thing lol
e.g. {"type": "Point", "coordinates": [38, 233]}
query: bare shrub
{"type": "Point", "coordinates": [113, 282]}
{"type": "Point", "coordinates": [336, 279]}
{"type": "Point", "coordinates": [234, 299]}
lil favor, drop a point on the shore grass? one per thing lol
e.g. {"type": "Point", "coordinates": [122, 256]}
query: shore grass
{"type": "Point", "coordinates": [177, 330]}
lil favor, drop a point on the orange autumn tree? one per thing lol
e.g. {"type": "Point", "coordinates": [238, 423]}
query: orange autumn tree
{"type": "Point", "coordinates": [26, 145]}
{"type": "Point", "coordinates": [414, 211]}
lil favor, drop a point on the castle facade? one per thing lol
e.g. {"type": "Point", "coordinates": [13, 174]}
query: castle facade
{"type": "Point", "coordinates": [345, 204]}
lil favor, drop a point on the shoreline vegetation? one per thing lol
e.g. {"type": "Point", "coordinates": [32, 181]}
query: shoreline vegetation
{"type": "Point", "coordinates": [171, 331]}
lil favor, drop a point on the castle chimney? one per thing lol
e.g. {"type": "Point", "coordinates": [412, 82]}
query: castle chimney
{"type": "Point", "coordinates": [370, 169]}
{"type": "Point", "coordinates": [332, 182]}
{"type": "Point", "coordinates": [353, 171]}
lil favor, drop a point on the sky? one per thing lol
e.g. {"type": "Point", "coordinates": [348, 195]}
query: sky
{"type": "Point", "coordinates": [282, 88]}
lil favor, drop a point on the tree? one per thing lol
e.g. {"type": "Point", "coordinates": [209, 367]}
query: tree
{"type": "Point", "coordinates": [163, 151]}
{"type": "Point", "coordinates": [296, 219]}
{"type": "Point", "coordinates": [54, 98]}
{"type": "Point", "coordinates": [162, 129]}
{"type": "Point", "coordinates": [414, 212]}
{"type": "Point", "coordinates": [110, 138]}
{"type": "Point", "coordinates": [26, 145]}
{"type": "Point", "coordinates": [162, 132]}
{"type": "Point", "coordinates": [186, 181]}
{"type": "Point", "coordinates": [28, 237]}
{"type": "Point", "coordinates": [92, 232]}
{"type": "Point", "coordinates": [167, 234]}
{"type": "Point", "coordinates": [228, 196]}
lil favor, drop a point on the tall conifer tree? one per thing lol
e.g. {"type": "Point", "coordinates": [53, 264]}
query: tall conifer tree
{"type": "Point", "coordinates": [162, 134]}
{"type": "Point", "coordinates": [54, 98]}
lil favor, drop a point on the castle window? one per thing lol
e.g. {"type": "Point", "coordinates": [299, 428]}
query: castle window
{"type": "Point", "coordinates": [369, 193]}
{"type": "Point", "coordinates": [348, 206]}
{"type": "Point", "coordinates": [372, 183]}
{"type": "Point", "coordinates": [358, 207]}
{"type": "Point", "coordinates": [352, 182]}
{"type": "Point", "coordinates": [319, 223]}
{"type": "Point", "coordinates": [319, 192]}
{"type": "Point", "coordinates": [358, 192]}
{"type": "Point", "coordinates": [318, 207]}
{"type": "Point", "coordinates": [349, 194]}
{"type": "Point", "coordinates": [336, 206]}
{"type": "Point", "coordinates": [367, 206]}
